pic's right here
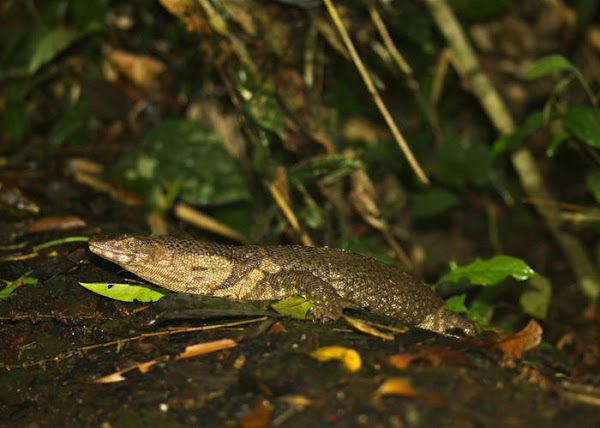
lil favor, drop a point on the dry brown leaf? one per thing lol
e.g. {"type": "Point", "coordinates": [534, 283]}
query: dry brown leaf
{"type": "Point", "coordinates": [145, 367]}
{"type": "Point", "coordinates": [434, 355]}
{"type": "Point", "coordinates": [277, 328]}
{"type": "Point", "coordinates": [207, 347]}
{"type": "Point", "coordinates": [516, 344]}
{"type": "Point", "coordinates": [190, 351]}
{"type": "Point", "coordinates": [360, 128]}
{"type": "Point", "coordinates": [189, 12]}
{"type": "Point", "coordinates": [143, 70]}
{"type": "Point", "coordinates": [111, 378]}
{"type": "Point", "coordinates": [402, 361]}
{"type": "Point", "coordinates": [367, 327]}
{"type": "Point", "coordinates": [363, 197]}
{"type": "Point", "coordinates": [403, 386]}
{"type": "Point", "coordinates": [55, 223]}
{"type": "Point", "coordinates": [118, 194]}
{"type": "Point", "coordinates": [257, 417]}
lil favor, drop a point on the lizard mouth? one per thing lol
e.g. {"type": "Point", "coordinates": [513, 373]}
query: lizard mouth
{"type": "Point", "coordinates": [110, 251]}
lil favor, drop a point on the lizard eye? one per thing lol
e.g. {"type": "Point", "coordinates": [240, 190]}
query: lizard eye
{"type": "Point", "coordinates": [131, 244]}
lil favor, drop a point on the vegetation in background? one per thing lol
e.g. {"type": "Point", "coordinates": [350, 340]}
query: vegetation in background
{"type": "Point", "coordinates": [256, 114]}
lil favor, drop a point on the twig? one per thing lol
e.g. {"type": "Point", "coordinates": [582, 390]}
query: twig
{"type": "Point", "coordinates": [190, 351]}
{"type": "Point", "coordinates": [289, 215]}
{"type": "Point", "coordinates": [120, 342]}
{"type": "Point", "coordinates": [522, 159]}
{"type": "Point", "coordinates": [186, 213]}
{"type": "Point", "coordinates": [373, 91]}
{"type": "Point", "coordinates": [389, 43]}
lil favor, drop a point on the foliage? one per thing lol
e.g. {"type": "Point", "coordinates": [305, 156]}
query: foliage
{"type": "Point", "coordinates": [11, 286]}
{"type": "Point", "coordinates": [126, 292]}
{"type": "Point", "coordinates": [433, 202]}
{"type": "Point", "coordinates": [295, 307]}
{"type": "Point", "coordinates": [490, 273]}
{"type": "Point", "coordinates": [186, 153]}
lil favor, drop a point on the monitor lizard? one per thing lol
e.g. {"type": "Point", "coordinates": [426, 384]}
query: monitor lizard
{"type": "Point", "coordinates": [331, 279]}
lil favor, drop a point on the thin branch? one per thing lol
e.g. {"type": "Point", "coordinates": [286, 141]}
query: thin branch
{"type": "Point", "coordinates": [82, 350]}
{"type": "Point", "coordinates": [289, 215]}
{"type": "Point", "coordinates": [389, 43]}
{"type": "Point", "coordinates": [373, 91]}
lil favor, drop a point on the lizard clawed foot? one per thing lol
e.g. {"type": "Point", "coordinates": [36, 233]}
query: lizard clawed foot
{"type": "Point", "coordinates": [324, 313]}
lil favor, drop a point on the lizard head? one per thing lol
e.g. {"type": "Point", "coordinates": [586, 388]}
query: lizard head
{"type": "Point", "coordinates": [450, 323]}
{"type": "Point", "coordinates": [125, 250]}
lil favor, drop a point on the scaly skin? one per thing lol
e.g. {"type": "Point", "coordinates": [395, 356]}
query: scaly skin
{"type": "Point", "coordinates": [331, 279]}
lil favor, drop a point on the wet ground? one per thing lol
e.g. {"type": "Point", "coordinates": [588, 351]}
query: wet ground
{"type": "Point", "coordinates": [51, 332]}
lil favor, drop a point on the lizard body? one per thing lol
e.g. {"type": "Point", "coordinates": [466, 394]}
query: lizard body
{"type": "Point", "coordinates": [331, 279]}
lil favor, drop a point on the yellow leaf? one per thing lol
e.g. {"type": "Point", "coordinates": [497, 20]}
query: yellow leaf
{"type": "Point", "coordinates": [349, 357]}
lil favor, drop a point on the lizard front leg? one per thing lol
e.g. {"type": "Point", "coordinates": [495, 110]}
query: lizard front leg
{"type": "Point", "coordinates": [328, 304]}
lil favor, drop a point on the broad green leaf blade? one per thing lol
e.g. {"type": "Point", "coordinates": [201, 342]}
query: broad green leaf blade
{"type": "Point", "coordinates": [432, 202]}
{"type": "Point", "coordinates": [263, 108]}
{"type": "Point", "coordinates": [326, 169]}
{"type": "Point", "coordinates": [457, 304]}
{"type": "Point", "coordinates": [481, 311]}
{"type": "Point", "coordinates": [508, 141]}
{"type": "Point", "coordinates": [50, 46]}
{"type": "Point", "coordinates": [295, 307]}
{"type": "Point", "coordinates": [72, 122]}
{"type": "Point", "coordinates": [185, 156]}
{"type": "Point", "coordinates": [126, 292]}
{"type": "Point", "coordinates": [584, 123]}
{"type": "Point", "coordinates": [548, 65]}
{"type": "Point", "coordinates": [490, 272]}
{"type": "Point", "coordinates": [535, 300]}
{"type": "Point", "coordinates": [13, 285]}
{"type": "Point", "coordinates": [462, 160]}
{"type": "Point", "coordinates": [558, 139]}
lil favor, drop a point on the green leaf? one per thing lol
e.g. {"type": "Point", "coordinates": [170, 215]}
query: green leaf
{"type": "Point", "coordinates": [558, 139]}
{"type": "Point", "coordinates": [72, 122]}
{"type": "Point", "coordinates": [457, 304]}
{"type": "Point", "coordinates": [584, 124]}
{"type": "Point", "coordinates": [311, 217]}
{"type": "Point", "coordinates": [263, 108]}
{"type": "Point", "coordinates": [326, 169]}
{"type": "Point", "coordinates": [463, 160]}
{"type": "Point", "coordinates": [593, 184]}
{"type": "Point", "coordinates": [490, 272]}
{"type": "Point", "coordinates": [548, 65]}
{"type": "Point", "coordinates": [295, 307]}
{"type": "Point", "coordinates": [535, 299]}
{"type": "Point", "coordinates": [432, 202]}
{"type": "Point", "coordinates": [188, 156]}
{"type": "Point", "coordinates": [508, 141]}
{"type": "Point", "coordinates": [13, 285]}
{"type": "Point", "coordinates": [65, 240]}
{"type": "Point", "coordinates": [126, 292]}
{"type": "Point", "coordinates": [481, 311]}
{"type": "Point", "coordinates": [50, 46]}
